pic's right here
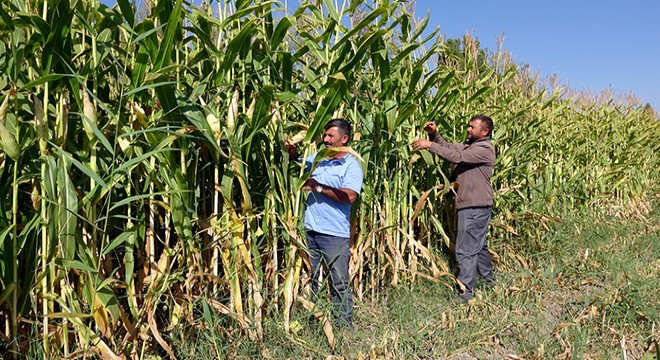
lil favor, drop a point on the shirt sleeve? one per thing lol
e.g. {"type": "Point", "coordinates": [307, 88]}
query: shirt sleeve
{"type": "Point", "coordinates": [308, 162]}
{"type": "Point", "coordinates": [354, 176]}
{"type": "Point", "coordinates": [476, 154]}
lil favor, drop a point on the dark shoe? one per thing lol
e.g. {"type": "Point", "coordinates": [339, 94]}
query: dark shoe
{"type": "Point", "coordinates": [460, 299]}
{"type": "Point", "coordinates": [341, 323]}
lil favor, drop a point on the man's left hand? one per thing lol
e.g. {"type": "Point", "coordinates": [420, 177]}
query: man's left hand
{"type": "Point", "coordinates": [421, 144]}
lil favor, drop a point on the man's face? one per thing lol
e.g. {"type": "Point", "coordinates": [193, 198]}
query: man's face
{"type": "Point", "coordinates": [333, 138]}
{"type": "Point", "coordinates": [476, 130]}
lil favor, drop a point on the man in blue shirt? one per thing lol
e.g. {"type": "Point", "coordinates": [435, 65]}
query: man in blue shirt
{"type": "Point", "coordinates": [333, 187]}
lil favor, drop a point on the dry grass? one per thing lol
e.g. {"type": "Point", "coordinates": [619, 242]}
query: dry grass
{"type": "Point", "coordinates": [571, 303]}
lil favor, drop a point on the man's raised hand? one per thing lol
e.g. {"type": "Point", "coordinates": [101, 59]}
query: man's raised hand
{"type": "Point", "coordinates": [430, 128]}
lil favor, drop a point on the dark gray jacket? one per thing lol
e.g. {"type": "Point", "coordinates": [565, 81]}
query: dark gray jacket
{"type": "Point", "coordinates": [472, 167]}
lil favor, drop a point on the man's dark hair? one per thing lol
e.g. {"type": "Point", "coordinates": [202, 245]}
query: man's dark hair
{"type": "Point", "coordinates": [342, 126]}
{"type": "Point", "coordinates": [485, 121]}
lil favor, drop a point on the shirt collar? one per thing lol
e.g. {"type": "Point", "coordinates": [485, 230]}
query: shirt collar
{"type": "Point", "coordinates": [342, 158]}
{"type": "Point", "coordinates": [485, 138]}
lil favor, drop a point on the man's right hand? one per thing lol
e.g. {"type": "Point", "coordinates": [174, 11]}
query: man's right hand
{"type": "Point", "coordinates": [430, 128]}
{"type": "Point", "coordinates": [291, 148]}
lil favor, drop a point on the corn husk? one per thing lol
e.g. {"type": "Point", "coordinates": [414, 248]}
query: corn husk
{"type": "Point", "coordinates": [90, 114]}
{"type": "Point", "coordinates": [211, 119]}
{"type": "Point", "coordinates": [232, 112]}
{"type": "Point", "coordinates": [7, 140]}
{"type": "Point", "coordinates": [39, 123]}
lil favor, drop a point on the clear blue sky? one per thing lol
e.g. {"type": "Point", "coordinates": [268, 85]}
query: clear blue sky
{"type": "Point", "coordinates": [591, 45]}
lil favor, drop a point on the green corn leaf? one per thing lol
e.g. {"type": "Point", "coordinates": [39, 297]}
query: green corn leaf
{"type": "Point", "coordinates": [148, 35]}
{"type": "Point", "coordinates": [336, 87]}
{"type": "Point", "coordinates": [136, 198]}
{"type": "Point", "coordinates": [197, 118]}
{"type": "Point", "coordinates": [403, 55]}
{"type": "Point", "coordinates": [106, 296]}
{"type": "Point", "coordinates": [8, 21]}
{"type": "Point", "coordinates": [405, 112]}
{"type": "Point", "coordinates": [332, 10]}
{"type": "Point", "coordinates": [68, 206]}
{"type": "Point", "coordinates": [414, 83]}
{"type": "Point", "coordinates": [287, 72]}
{"type": "Point", "coordinates": [233, 49]}
{"type": "Point", "coordinates": [262, 113]}
{"type": "Point", "coordinates": [167, 95]}
{"type": "Point", "coordinates": [139, 69]}
{"type": "Point", "coordinates": [432, 81]}
{"type": "Point", "coordinates": [421, 27]}
{"type": "Point", "coordinates": [180, 208]}
{"type": "Point", "coordinates": [360, 26]}
{"type": "Point", "coordinates": [118, 241]}
{"type": "Point", "coordinates": [42, 80]}
{"type": "Point", "coordinates": [127, 11]}
{"type": "Point", "coordinates": [155, 85]}
{"type": "Point", "coordinates": [89, 172]}
{"type": "Point", "coordinates": [98, 135]}
{"type": "Point", "coordinates": [75, 264]}
{"type": "Point", "coordinates": [484, 91]}
{"type": "Point", "coordinates": [172, 30]}
{"type": "Point", "coordinates": [365, 44]}
{"type": "Point", "coordinates": [39, 24]}
{"type": "Point", "coordinates": [242, 4]}
{"type": "Point", "coordinates": [134, 162]}
{"type": "Point", "coordinates": [279, 33]}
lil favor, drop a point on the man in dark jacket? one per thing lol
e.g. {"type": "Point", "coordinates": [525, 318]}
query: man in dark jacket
{"type": "Point", "coordinates": [472, 167]}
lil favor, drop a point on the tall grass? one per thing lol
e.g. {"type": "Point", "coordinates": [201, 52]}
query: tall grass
{"type": "Point", "coordinates": [144, 178]}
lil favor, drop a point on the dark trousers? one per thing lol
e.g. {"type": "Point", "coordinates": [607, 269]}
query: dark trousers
{"type": "Point", "coordinates": [335, 253]}
{"type": "Point", "coordinates": [472, 250]}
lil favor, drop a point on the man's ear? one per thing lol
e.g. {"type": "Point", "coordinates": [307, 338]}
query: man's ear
{"type": "Point", "coordinates": [344, 140]}
{"type": "Point", "coordinates": [485, 129]}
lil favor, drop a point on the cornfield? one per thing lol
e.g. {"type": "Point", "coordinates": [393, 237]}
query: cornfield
{"type": "Point", "coordinates": [144, 177]}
